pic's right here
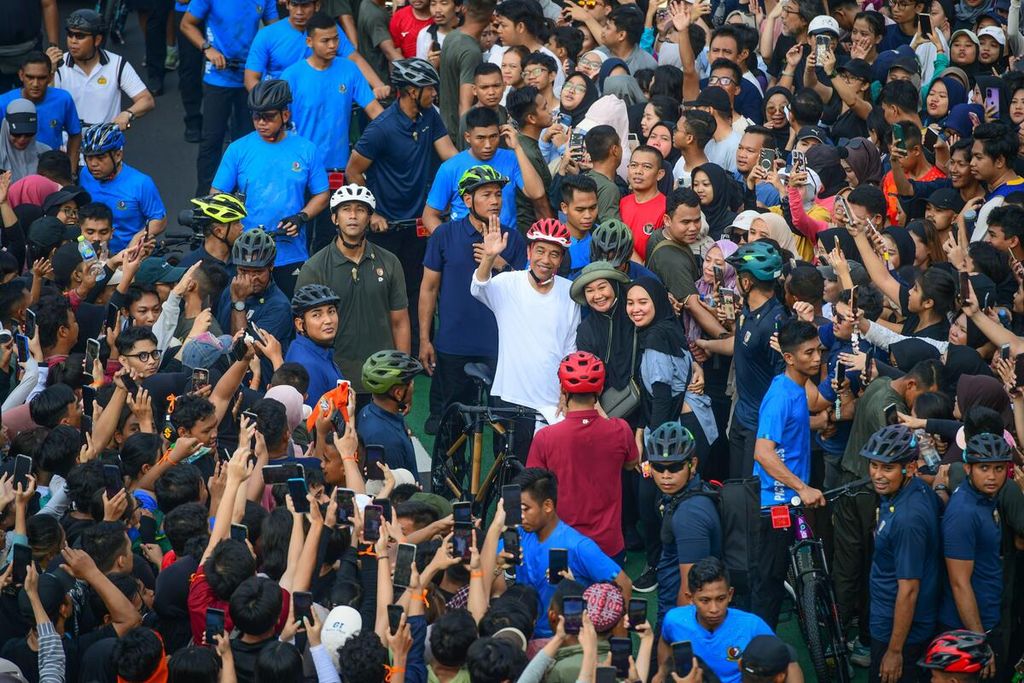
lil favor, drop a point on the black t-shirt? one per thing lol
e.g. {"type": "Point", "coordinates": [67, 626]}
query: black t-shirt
{"type": "Point", "coordinates": [74, 528]}
{"type": "Point", "coordinates": [26, 659]}
{"type": "Point", "coordinates": [245, 655]}
{"type": "Point", "coordinates": [170, 602]}
{"type": "Point", "coordinates": [98, 662]}
{"type": "Point", "coordinates": [938, 331]}
{"type": "Point", "coordinates": [848, 125]}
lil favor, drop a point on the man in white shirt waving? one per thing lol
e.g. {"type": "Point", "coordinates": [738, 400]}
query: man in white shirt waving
{"type": "Point", "coordinates": [536, 318]}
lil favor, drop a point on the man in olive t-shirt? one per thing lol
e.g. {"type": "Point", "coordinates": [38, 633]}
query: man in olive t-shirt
{"type": "Point", "coordinates": [460, 55]}
{"type": "Point", "coordinates": [375, 42]}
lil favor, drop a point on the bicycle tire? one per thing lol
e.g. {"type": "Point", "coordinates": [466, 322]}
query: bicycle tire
{"type": "Point", "coordinates": [443, 466]}
{"type": "Point", "coordinates": [509, 470]}
{"type": "Point", "coordinates": [817, 620]}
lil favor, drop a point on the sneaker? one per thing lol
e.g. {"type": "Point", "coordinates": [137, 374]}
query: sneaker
{"type": "Point", "coordinates": [646, 582]}
{"type": "Point", "coordinates": [860, 655]}
{"type": "Point", "coordinates": [171, 61]}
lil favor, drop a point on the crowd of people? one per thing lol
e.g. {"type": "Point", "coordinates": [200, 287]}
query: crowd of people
{"type": "Point", "coordinates": [718, 258]}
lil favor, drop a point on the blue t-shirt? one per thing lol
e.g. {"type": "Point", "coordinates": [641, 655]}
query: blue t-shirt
{"type": "Point", "coordinates": [322, 105]}
{"type": "Point", "coordinates": [319, 360]}
{"type": "Point", "coordinates": [971, 530]}
{"type": "Point", "coordinates": [638, 270]}
{"type": "Point", "coordinates": [444, 193]}
{"type": "Point", "coordinates": [278, 46]}
{"type": "Point", "coordinates": [720, 649]}
{"type": "Point", "coordinates": [765, 192]}
{"type": "Point", "coordinates": [132, 196]}
{"type": "Point", "coordinates": [275, 177]}
{"type": "Point", "coordinates": [579, 254]}
{"type": "Point", "coordinates": [906, 547]}
{"type": "Point", "coordinates": [586, 562]}
{"type": "Point", "coordinates": [696, 533]}
{"type": "Point", "coordinates": [1009, 187]}
{"type": "Point", "coordinates": [894, 37]}
{"type": "Point", "coordinates": [756, 363]}
{"type": "Point", "coordinates": [231, 27]}
{"type": "Point", "coordinates": [467, 327]}
{"type": "Point", "coordinates": [403, 156]}
{"type": "Point", "coordinates": [378, 427]}
{"type": "Point", "coordinates": [57, 115]}
{"type": "Point", "coordinates": [784, 420]}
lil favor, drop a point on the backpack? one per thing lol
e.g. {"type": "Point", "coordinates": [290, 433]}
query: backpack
{"type": "Point", "coordinates": [738, 502]}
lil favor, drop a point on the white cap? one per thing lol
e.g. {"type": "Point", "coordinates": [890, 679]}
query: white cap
{"type": "Point", "coordinates": [401, 475]}
{"type": "Point", "coordinates": [744, 219]}
{"type": "Point", "coordinates": [993, 32]}
{"type": "Point", "coordinates": [342, 623]}
{"type": "Point", "coordinates": [823, 24]}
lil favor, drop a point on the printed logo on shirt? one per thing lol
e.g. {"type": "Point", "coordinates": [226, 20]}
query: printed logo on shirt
{"type": "Point", "coordinates": [342, 88]}
{"type": "Point", "coordinates": [121, 205]}
{"type": "Point", "coordinates": [54, 123]}
{"type": "Point", "coordinates": [746, 337]}
{"type": "Point", "coordinates": [296, 166]}
{"type": "Point", "coordinates": [102, 80]}
{"type": "Point", "coordinates": [649, 228]}
{"type": "Point", "coordinates": [733, 653]}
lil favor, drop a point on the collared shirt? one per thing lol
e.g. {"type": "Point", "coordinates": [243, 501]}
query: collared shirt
{"type": "Point", "coordinates": [692, 532]}
{"type": "Point", "coordinates": [467, 326]}
{"type": "Point", "coordinates": [755, 361]}
{"type": "Point", "coordinates": [57, 115]}
{"type": "Point", "coordinates": [271, 312]}
{"type": "Point", "coordinates": [97, 94]}
{"type": "Point", "coordinates": [378, 427]}
{"type": "Point", "coordinates": [132, 196]}
{"type": "Point", "coordinates": [719, 649]}
{"type": "Point", "coordinates": [906, 547]}
{"type": "Point", "coordinates": [201, 254]}
{"type": "Point", "coordinates": [231, 28]}
{"type": "Point", "coordinates": [370, 290]}
{"type": "Point", "coordinates": [319, 360]}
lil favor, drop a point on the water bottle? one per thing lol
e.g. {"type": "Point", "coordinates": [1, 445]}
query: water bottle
{"type": "Point", "coordinates": [88, 254]}
{"type": "Point", "coordinates": [927, 449]}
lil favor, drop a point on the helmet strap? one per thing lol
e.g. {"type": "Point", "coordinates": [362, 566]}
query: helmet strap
{"type": "Point", "coordinates": [350, 245]}
{"type": "Point", "coordinates": [541, 283]}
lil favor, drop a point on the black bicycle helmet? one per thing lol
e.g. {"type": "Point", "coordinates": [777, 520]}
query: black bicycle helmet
{"type": "Point", "coordinates": [611, 241]}
{"type": "Point", "coordinates": [387, 369]}
{"type": "Point", "coordinates": [959, 651]}
{"type": "Point", "coordinates": [311, 296]}
{"type": "Point", "coordinates": [987, 448]}
{"type": "Point", "coordinates": [892, 443]}
{"type": "Point", "coordinates": [254, 249]}
{"type": "Point", "coordinates": [414, 72]}
{"type": "Point", "coordinates": [86, 21]}
{"type": "Point", "coordinates": [671, 442]}
{"type": "Point", "coordinates": [271, 95]}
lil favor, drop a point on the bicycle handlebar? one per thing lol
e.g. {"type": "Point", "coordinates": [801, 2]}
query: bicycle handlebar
{"type": "Point", "coordinates": [512, 411]}
{"type": "Point", "coordinates": [836, 493]}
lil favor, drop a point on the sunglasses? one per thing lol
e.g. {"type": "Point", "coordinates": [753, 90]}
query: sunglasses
{"type": "Point", "coordinates": [589, 4]}
{"type": "Point", "coordinates": [673, 467]}
{"type": "Point", "coordinates": [22, 135]}
{"type": "Point", "coordinates": [77, 35]}
{"type": "Point", "coordinates": [265, 115]}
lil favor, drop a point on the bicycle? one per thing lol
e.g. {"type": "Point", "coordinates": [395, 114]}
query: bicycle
{"type": "Point", "coordinates": [464, 425]}
{"type": "Point", "coordinates": [813, 593]}
{"type": "Point", "coordinates": [115, 17]}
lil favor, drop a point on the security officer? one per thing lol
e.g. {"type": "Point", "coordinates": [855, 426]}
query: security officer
{"type": "Point", "coordinates": [905, 567]}
{"type": "Point", "coordinates": [691, 529]}
{"type": "Point", "coordinates": [972, 534]}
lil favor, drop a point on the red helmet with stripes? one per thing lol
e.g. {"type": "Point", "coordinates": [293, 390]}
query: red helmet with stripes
{"type": "Point", "coordinates": [549, 230]}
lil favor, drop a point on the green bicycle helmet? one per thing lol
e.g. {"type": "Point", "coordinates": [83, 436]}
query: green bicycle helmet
{"type": "Point", "coordinates": [761, 260]}
{"type": "Point", "coordinates": [987, 448]}
{"type": "Point", "coordinates": [611, 241]}
{"type": "Point", "coordinates": [219, 208]}
{"type": "Point", "coordinates": [387, 369]}
{"type": "Point", "coordinates": [671, 442]}
{"type": "Point", "coordinates": [478, 176]}
{"type": "Point", "coordinates": [254, 249]}
{"type": "Point", "coordinates": [310, 296]}
{"type": "Point", "coordinates": [892, 443]}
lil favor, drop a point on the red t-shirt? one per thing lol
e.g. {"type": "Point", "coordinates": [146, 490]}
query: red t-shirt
{"type": "Point", "coordinates": [200, 597]}
{"type": "Point", "coordinates": [587, 453]}
{"type": "Point", "coordinates": [642, 219]}
{"type": "Point", "coordinates": [404, 28]}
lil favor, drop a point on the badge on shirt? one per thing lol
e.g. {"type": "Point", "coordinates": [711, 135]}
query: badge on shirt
{"type": "Point", "coordinates": [342, 88]}
{"type": "Point", "coordinates": [746, 336]}
{"type": "Point", "coordinates": [54, 123]}
{"type": "Point", "coordinates": [102, 80]}
{"type": "Point", "coordinates": [121, 205]}
{"type": "Point", "coordinates": [380, 275]}
{"type": "Point", "coordinates": [649, 228]}
{"type": "Point", "coordinates": [296, 166]}
{"type": "Point", "coordinates": [733, 654]}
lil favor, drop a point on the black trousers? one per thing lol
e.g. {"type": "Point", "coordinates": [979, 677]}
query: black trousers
{"type": "Point", "coordinates": [741, 450]}
{"type": "Point", "coordinates": [912, 673]}
{"type": "Point", "coordinates": [285, 278]}
{"type": "Point", "coordinates": [223, 108]}
{"type": "Point", "coordinates": [410, 249]}
{"type": "Point", "coordinates": [190, 79]}
{"type": "Point", "coordinates": [156, 39]}
{"type": "Point", "coordinates": [523, 437]}
{"type": "Point", "coordinates": [769, 591]}
{"type": "Point", "coordinates": [853, 520]}
{"type": "Point", "coordinates": [452, 382]}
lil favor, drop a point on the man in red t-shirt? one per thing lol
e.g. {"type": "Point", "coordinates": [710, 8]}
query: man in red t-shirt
{"type": "Point", "coordinates": [644, 210]}
{"type": "Point", "coordinates": [587, 453]}
{"type": "Point", "coordinates": [407, 23]}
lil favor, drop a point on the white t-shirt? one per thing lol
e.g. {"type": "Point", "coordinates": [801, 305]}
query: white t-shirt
{"type": "Point", "coordinates": [535, 332]}
{"type": "Point", "coordinates": [97, 95]}
{"type": "Point", "coordinates": [424, 39]}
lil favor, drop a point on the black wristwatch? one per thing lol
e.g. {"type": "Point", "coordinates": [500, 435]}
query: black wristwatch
{"type": "Point", "coordinates": [206, 46]}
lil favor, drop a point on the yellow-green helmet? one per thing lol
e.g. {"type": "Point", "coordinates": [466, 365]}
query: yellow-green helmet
{"type": "Point", "coordinates": [478, 176]}
{"type": "Point", "coordinates": [386, 369]}
{"type": "Point", "coordinates": [220, 208]}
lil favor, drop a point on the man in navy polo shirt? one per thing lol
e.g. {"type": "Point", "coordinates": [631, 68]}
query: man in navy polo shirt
{"type": "Point", "coordinates": [230, 27]}
{"type": "Point", "coordinates": [467, 332]}
{"type": "Point", "coordinates": [972, 536]}
{"type": "Point", "coordinates": [905, 567]}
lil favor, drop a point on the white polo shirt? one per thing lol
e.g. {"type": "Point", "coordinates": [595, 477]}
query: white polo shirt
{"type": "Point", "coordinates": [97, 95]}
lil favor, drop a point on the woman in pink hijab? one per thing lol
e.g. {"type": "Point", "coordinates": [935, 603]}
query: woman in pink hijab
{"type": "Point", "coordinates": [32, 189]}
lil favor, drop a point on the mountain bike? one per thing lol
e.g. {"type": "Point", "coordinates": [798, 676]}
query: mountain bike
{"type": "Point", "coordinates": [813, 592]}
{"type": "Point", "coordinates": [115, 16]}
{"type": "Point", "coordinates": [457, 457]}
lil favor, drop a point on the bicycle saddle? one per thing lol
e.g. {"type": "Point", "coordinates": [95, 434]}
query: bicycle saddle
{"type": "Point", "coordinates": [481, 372]}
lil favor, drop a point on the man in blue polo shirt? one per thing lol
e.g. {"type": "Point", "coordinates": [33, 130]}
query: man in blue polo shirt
{"type": "Point", "coordinates": [972, 533]}
{"type": "Point", "coordinates": [467, 332]}
{"type": "Point", "coordinates": [131, 195]}
{"type": "Point", "coordinates": [276, 169]}
{"type": "Point", "coordinates": [782, 456]}
{"type": "Point", "coordinates": [717, 631]}
{"type": "Point", "coordinates": [315, 311]}
{"type": "Point", "coordinates": [544, 531]}
{"type": "Point", "coordinates": [230, 28]}
{"type": "Point", "coordinates": [905, 567]}
{"type": "Point", "coordinates": [55, 107]}
{"type": "Point", "coordinates": [388, 375]}
{"type": "Point", "coordinates": [252, 296]}
{"type": "Point", "coordinates": [483, 135]}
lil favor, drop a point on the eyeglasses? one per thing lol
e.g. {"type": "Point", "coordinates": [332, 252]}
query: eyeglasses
{"type": "Point", "coordinates": [535, 71]}
{"type": "Point", "coordinates": [144, 356]}
{"type": "Point", "coordinates": [70, 212]}
{"type": "Point", "coordinates": [720, 80]}
{"type": "Point", "coordinates": [77, 35]}
{"type": "Point", "coordinates": [589, 4]}
{"type": "Point", "coordinates": [581, 89]}
{"type": "Point", "coordinates": [590, 63]}
{"type": "Point", "coordinates": [840, 318]}
{"type": "Point", "coordinates": [265, 115]}
{"type": "Point", "coordinates": [905, 3]}
{"type": "Point", "coordinates": [672, 467]}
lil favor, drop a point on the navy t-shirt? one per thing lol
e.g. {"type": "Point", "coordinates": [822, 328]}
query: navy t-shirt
{"type": "Point", "coordinates": [971, 530]}
{"type": "Point", "coordinates": [696, 533]}
{"type": "Point", "coordinates": [755, 361]}
{"type": "Point", "coordinates": [378, 427]}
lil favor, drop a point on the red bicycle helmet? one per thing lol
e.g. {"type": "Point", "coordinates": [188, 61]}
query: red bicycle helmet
{"type": "Point", "coordinates": [959, 651]}
{"type": "Point", "coordinates": [549, 230]}
{"type": "Point", "coordinates": [581, 373]}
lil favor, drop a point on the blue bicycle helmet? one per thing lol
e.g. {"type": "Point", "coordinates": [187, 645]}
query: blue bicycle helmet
{"type": "Point", "coordinates": [101, 138]}
{"type": "Point", "coordinates": [759, 259]}
{"type": "Point", "coordinates": [987, 448]}
{"type": "Point", "coordinates": [892, 443]}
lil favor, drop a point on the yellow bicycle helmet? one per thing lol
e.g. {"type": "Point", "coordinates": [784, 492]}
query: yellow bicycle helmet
{"type": "Point", "coordinates": [220, 208]}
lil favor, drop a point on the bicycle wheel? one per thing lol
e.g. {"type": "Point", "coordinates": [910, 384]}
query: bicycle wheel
{"type": "Point", "coordinates": [820, 625]}
{"type": "Point", "coordinates": [509, 469]}
{"type": "Point", "coordinates": [450, 468]}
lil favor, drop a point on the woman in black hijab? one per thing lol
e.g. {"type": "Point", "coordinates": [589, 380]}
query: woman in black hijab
{"type": "Point", "coordinates": [572, 102]}
{"type": "Point", "coordinates": [720, 197]}
{"type": "Point", "coordinates": [773, 107]}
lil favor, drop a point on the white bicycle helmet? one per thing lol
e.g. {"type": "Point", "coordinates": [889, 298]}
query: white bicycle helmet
{"type": "Point", "coordinates": [352, 193]}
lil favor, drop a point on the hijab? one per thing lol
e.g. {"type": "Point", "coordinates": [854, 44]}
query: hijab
{"type": "Point", "coordinates": [625, 88]}
{"type": "Point", "coordinates": [32, 189]}
{"type": "Point", "coordinates": [707, 290]}
{"type": "Point", "coordinates": [983, 83]}
{"type": "Point", "coordinates": [962, 360]}
{"type": "Point", "coordinates": [606, 69]}
{"type": "Point", "coordinates": [611, 111]}
{"type": "Point", "coordinates": [864, 158]}
{"type": "Point", "coordinates": [833, 237]}
{"type": "Point", "coordinates": [956, 93]}
{"type": "Point", "coordinates": [589, 97]}
{"type": "Point", "coordinates": [779, 230]}
{"type": "Point", "coordinates": [781, 135]}
{"type": "Point", "coordinates": [664, 334]}
{"type": "Point", "coordinates": [609, 336]}
{"type": "Point", "coordinates": [824, 160]}
{"type": "Point", "coordinates": [965, 14]}
{"type": "Point", "coordinates": [959, 120]}
{"type": "Point", "coordinates": [905, 247]}
{"type": "Point", "coordinates": [727, 201]}
{"type": "Point", "coordinates": [20, 162]}
{"type": "Point", "coordinates": [910, 351]}
{"type": "Point", "coordinates": [979, 390]}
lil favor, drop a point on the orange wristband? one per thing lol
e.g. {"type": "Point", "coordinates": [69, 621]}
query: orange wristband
{"type": "Point", "coordinates": [476, 575]}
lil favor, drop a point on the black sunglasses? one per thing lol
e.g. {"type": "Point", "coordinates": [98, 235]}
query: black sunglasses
{"type": "Point", "coordinates": [77, 35]}
{"type": "Point", "coordinates": [673, 467]}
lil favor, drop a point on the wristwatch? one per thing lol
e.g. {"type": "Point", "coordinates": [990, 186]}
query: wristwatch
{"type": "Point", "coordinates": [238, 305]}
{"type": "Point", "coordinates": [206, 46]}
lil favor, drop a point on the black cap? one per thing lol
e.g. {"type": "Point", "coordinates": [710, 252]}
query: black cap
{"type": "Point", "coordinates": [907, 63]}
{"type": "Point", "coordinates": [22, 117]}
{"type": "Point", "coordinates": [765, 656]}
{"type": "Point", "coordinates": [816, 132]}
{"type": "Point", "coordinates": [53, 588]}
{"type": "Point", "coordinates": [713, 97]}
{"type": "Point", "coordinates": [71, 193]}
{"type": "Point", "coordinates": [857, 68]}
{"type": "Point", "coordinates": [946, 198]}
